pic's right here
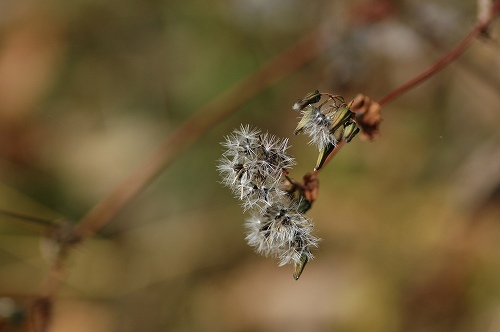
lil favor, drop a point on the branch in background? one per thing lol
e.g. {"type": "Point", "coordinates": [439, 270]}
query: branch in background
{"type": "Point", "coordinates": [41, 222]}
{"type": "Point", "coordinates": [287, 62]}
{"type": "Point", "coordinates": [480, 29]}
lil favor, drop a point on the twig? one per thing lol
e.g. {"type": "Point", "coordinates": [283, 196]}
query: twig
{"type": "Point", "coordinates": [479, 29]}
{"type": "Point", "coordinates": [287, 62]}
{"type": "Point", "coordinates": [45, 223]}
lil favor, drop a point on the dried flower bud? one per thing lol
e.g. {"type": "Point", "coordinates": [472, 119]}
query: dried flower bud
{"type": "Point", "coordinates": [307, 116]}
{"type": "Point", "coordinates": [300, 265]}
{"type": "Point", "coordinates": [340, 117]}
{"type": "Point", "coordinates": [326, 124]}
{"type": "Point", "coordinates": [338, 134]}
{"type": "Point", "coordinates": [252, 166]}
{"type": "Point", "coordinates": [323, 154]}
{"type": "Point", "coordinates": [316, 124]}
{"type": "Point", "coordinates": [350, 130]}
{"type": "Point", "coordinates": [310, 98]}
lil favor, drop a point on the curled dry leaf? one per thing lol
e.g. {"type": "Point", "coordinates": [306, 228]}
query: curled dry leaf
{"type": "Point", "coordinates": [368, 115]}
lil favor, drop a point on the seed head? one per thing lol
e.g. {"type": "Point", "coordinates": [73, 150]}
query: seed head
{"type": "Point", "coordinates": [252, 166]}
{"type": "Point", "coordinates": [316, 123]}
{"type": "Point", "coordinates": [282, 232]}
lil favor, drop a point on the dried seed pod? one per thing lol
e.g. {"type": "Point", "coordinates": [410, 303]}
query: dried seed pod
{"type": "Point", "coordinates": [307, 116]}
{"type": "Point", "coordinates": [323, 154]}
{"type": "Point", "coordinates": [341, 116]}
{"type": "Point", "coordinates": [338, 134]}
{"type": "Point", "coordinates": [254, 167]}
{"type": "Point", "coordinates": [350, 130]}
{"type": "Point", "coordinates": [310, 98]}
{"type": "Point", "coordinates": [299, 265]}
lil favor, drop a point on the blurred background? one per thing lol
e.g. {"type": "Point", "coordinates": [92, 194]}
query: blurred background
{"type": "Point", "coordinates": [410, 223]}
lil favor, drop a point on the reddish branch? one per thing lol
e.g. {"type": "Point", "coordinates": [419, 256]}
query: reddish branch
{"type": "Point", "coordinates": [480, 29]}
{"type": "Point", "coordinates": [287, 62]}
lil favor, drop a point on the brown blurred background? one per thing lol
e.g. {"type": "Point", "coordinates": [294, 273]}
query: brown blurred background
{"type": "Point", "coordinates": [410, 223]}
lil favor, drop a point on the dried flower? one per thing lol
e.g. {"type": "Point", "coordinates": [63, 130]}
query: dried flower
{"type": "Point", "coordinates": [252, 166]}
{"type": "Point", "coordinates": [316, 124]}
{"type": "Point", "coordinates": [255, 167]}
{"type": "Point", "coordinates": [326, 124]}
{"type": "Point", "coordinates": [350, 130]}
{"type": "Point", "coordinates": [283, 232]}
{"type": "Point", "coordinates": [322, 123]}
{"type": "Point", "coordinates": [310, 98]}
{"type": "Point", "coordinates": [323, 154]}
{"type": "Point", "coordinates": [368, 116]}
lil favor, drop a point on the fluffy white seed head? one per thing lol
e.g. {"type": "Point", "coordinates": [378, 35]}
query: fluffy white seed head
{"type": "Point", "coordinates": [252, 165]}
{"type": "Point", "coordinates": [282, 232]}
{"type": "Point", "coordinates": [316, 123]}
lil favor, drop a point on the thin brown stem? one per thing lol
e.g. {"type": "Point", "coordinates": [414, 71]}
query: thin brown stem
{"type": "Point", "coordinates": [45, 223]}
{"type": "Point", "coordinates": [479, 29]}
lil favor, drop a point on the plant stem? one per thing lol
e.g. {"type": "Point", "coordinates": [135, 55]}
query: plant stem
{"type": "Point", "coordinates": [46, 223]}
{"type": "Point", "coordinates": [480, 28]}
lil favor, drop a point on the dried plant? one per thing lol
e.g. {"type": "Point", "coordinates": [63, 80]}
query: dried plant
{"type": "Point", "coordinates": [255, 167]}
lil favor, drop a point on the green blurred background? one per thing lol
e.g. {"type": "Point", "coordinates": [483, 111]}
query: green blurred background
{"type": "Point", "coordinates": [410, 223]}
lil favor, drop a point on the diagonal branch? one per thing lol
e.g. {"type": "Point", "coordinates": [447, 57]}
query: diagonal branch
{"type": "Point", "coordinates": [41, 222]}
{"type": "Point", "coordinates": [479, 29]}
{"type": "Point", "coordinates": [287, 62]}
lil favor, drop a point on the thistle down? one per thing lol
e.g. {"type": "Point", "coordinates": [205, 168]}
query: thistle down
{"type": "Point", "coordinates": [254, 166]}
